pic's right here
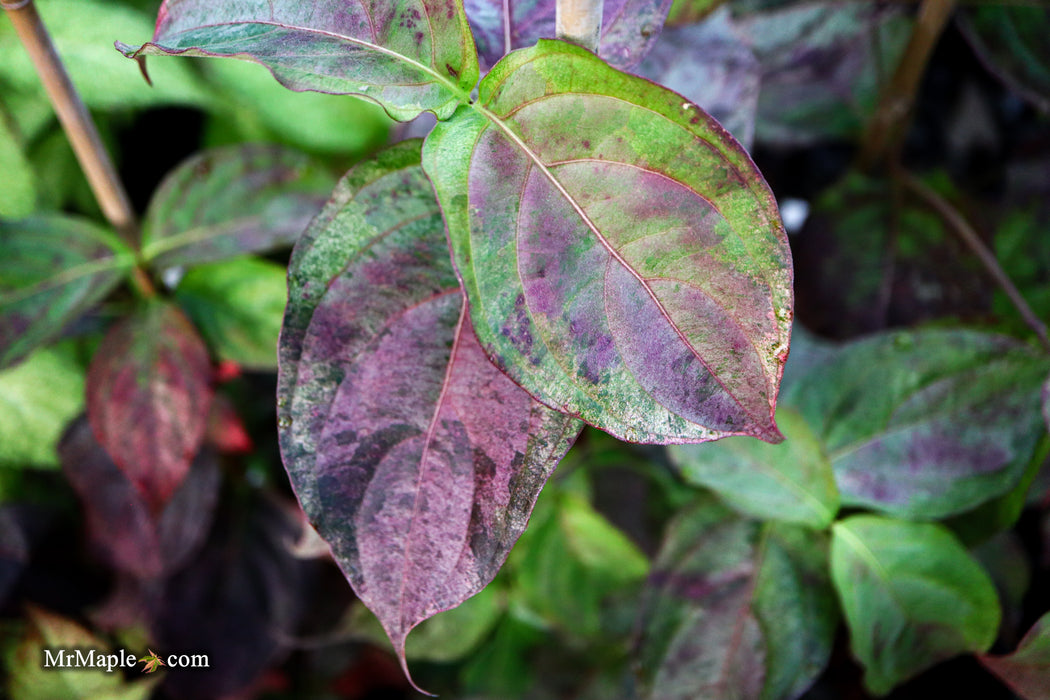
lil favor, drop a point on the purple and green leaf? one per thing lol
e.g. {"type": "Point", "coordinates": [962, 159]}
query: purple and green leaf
{"type": "Point", "coordinates": [1026, 670]}
{"type": "Point", "coordinates": [231, 201]}
{"type": "Point", "coordinates": [408, 57]}
{"type": "Point", "coordinates": [821, 62]}
{"type": "Point", "coordinates": [630, 28]}
{"type": "Point", "coordinates": [415, 458]}
{"type": "Point", "coordinates": [710, 64]}
{"type": "Point", "coordinates": [623, 258]}
{"type": "Point", "coordinates": [912, 597]}
{"type": "Point", "coordinates": [792, 481]}
{"type": "Point", "coordinates": [53, 269]}
{"type": "Point", "coordinates": [888, 410]}
{"type": "Point", "coordinates": [1012, 43]}
{"type": "Point", "coordinates": [148, 394]}
{"type": "Point", "coordinates": [735, 608]}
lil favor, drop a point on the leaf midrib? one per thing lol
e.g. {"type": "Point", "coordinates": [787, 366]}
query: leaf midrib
{"type": "Point", "coordinates": [454, 88]}
{"type": "Point", "coordinates": [538, 163]}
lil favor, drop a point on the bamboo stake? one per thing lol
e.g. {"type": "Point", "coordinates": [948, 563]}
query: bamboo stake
{"type": "Point", "coordinates": [580, 22]}
{"type": "Point", "coordinates": [78, 126]}
{"type": "Point", "coordinates": [887, 126]}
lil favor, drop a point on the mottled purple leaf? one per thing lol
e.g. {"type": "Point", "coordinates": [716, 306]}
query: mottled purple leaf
{"type": "Point", "coordinates": [821, 65]}
{"type": "Point", "coordinates": [735, 609]}
{"type": "Point", "coordinates": [912, 597]}
{"type": "Point", "coordinates": [623, 258]}
{"type": "Point", "coordinates": [53, 269]}
{"type": "Point", "coordinates": [413, 456]}
{"type": "Point", "coordinates": [120, 525]}
{"type": "Point", "coordinates": [148, 393]}
{"type": "Point", "coordinates": [408, 57]}
{"type": "Point", "coordinates": [1027, 670]}
{"type": "Point", "coordinates": [710, 64]}
{"type": "Point", "coordinates": [1011, 41]}
{"type": "Point", "coordinates": [231, 201]}
{"type": "Point", "coordinates": [630, 28]}
{"type": "Point", "coordinates": [888, 410]}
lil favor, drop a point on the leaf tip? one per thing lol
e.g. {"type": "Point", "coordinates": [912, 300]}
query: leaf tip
{"type": "Point", "coordinates": [134, 53]}
{"type": "Point", "coordinates": [399, 650]}
{"type": "Point", "coordinates": [767, 430]}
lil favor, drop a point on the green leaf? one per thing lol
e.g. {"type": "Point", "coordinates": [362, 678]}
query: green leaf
{"type": "Point", "coordinates": [230, 201]}
{"type": "Point", "coordinates": [502, 668]}
{"type": "Point", "coordinates": [736, 608]}
{"type": "Point", "coordinates": [571, 562]}
{"type": "Point", "coordinates": [598, 545]}
{"type": "Point", "coordinates": [18, 195]}
{"type": "Point", "coordinates": [237, 305]}
{"type": "Point", "coordinates": [28, 679]}
{"type": "Point", "coordinates": [53, 269]}
{"type": "Point", "coordinates": [624, 260]}
{"type": "Point", "coordinates": [83, 32]}
{"type": "Point", "coordinates": [408, 57]}
{"type": "Point", "coordinates": [792, 481]}
{"type": "Point", "coordinates": [889, 411]}
{"type": "Point", "coordinates": [257, 106]}
{"type": "Point", "coordinates": [61, 184]}
{"type": "Point", "coordinates": [34, 419]}
{"type": "Point", "coordinates": [1026, 670]}
{"type": "Point", "coordinates": [912, 597]}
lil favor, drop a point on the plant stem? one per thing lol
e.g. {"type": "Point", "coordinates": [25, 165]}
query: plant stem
{"type": "Point", "coordinates": [887, 127]}
{"type": "Point", "coordinates": [957, 222]}
{"type": "Point", "coordinates": [580, 22]}
{"type": "Point", "coordinates": [79, 128]}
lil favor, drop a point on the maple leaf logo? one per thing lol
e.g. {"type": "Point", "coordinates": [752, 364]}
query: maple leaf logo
{"type": "Point", "coordinates": [152, 662]}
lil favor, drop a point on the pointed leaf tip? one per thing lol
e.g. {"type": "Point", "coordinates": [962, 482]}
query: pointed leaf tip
{"type": "Point", "coordinates": [414, 458]}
